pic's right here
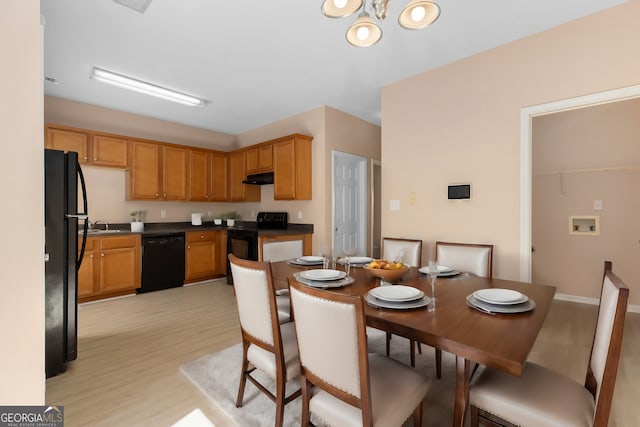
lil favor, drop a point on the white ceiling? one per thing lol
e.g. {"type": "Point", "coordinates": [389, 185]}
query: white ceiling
{"type": "Point", "coordinates": [259, 61]}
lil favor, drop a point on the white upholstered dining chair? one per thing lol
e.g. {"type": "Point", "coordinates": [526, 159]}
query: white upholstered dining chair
{"type": "Point", "coordinates": [266, 344]}
{"type": "Point", "coordinates": [408, 251]}
{"type": "Point", "coordinates": [466, 257]}
{"type": "Point", "coordinates": [281, 248]}
{"type": "Point", "coordinates": [544, 398]}
{"type": "Point", "coordinates": [341, 384]}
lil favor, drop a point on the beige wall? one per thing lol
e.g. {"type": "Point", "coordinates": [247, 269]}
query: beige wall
{"type": "Point", "coordinates": [580, 156]}
{"type": "Point", "coordinates": [22, 273]}
{"type": "Point", "coordinates": [461, 123]}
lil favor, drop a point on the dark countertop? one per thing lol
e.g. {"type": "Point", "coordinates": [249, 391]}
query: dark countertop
{"type": "Point", "coordinates": [151, 229]}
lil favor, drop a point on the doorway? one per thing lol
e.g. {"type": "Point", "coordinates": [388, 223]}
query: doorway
{"type": "Point", "coordinates": [526, 167]}
{"type": "Point", "coordinates": [376, 209]}
{"type": "Point", "coordinates": [349, 203]}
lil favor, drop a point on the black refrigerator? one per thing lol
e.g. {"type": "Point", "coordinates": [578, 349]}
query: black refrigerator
{"type": "Point", "coordinates": [62, 173]}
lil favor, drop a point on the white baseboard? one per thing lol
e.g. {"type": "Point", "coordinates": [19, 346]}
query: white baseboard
{"type": "Point", "coordinates": [592, 301]}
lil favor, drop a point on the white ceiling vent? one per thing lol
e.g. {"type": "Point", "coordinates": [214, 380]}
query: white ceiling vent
{"type": "Point", "coordinates": [137, 5]}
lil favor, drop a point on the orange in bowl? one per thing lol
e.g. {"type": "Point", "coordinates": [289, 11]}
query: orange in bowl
{"type": "Point", "coordinates": [389, 271]}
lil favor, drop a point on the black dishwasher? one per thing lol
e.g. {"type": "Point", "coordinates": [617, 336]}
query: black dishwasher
{"type": "Point", "coordinates": [162, 261]}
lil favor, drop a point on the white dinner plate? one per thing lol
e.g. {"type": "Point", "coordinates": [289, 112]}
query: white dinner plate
{"type": "Point", "coordinates": [360, 259]}
{"type": "Point", "coordinates": [323, 274]}
{"type": "Point", "coordinates": [324, 284]}
{"type": "Point", "coordinates": [500, 296]}
{"type": "Point", "coordinates": [448, 272]}
{"type": "Point", "coordinates": [441, 269]}
{"type": "Point", "coordinates": [497, 308]}
{"type": "Point", "coordinates": [397, 305]}
{"type": "Point", "coordinates": [310, 259]}
{"type": "Point", "coordinates": [397, 293]}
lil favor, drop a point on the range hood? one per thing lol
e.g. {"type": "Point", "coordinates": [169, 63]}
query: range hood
{"type": "Point", "coordinates": [259, 179]}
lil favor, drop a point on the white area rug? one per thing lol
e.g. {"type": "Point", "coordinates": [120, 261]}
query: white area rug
{"type": "Point", "coordinates": [218, 375]}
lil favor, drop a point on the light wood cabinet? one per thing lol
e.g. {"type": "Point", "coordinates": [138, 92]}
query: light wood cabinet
{"type": "Point", "coordinates": [219, 177]}
{"type": "Point", "coordinates": [201, 255]}
{"type": "Point", "coordinates": [87, 273]}
{"type": "Point", "coordinates": [109, 151]}
{"type": "Point", "coordinates": [94, 149]}
{"type": "Point", "coordinates": [292, 168]}
{"type": "Point", "coordinates": [174, 172]}
{"type": "Point", "coordinates": [239, 192]}
{"type": "Point", "coordinates": [111, 267]}
{"type": "Point", "coordinates": [68, 140]}
{"type": "Point", "coordinates": [157, 172]}
{"type": "Point", "coordinates": [259, 159]}
{"type": "Point", "coordinates": [207, 176]}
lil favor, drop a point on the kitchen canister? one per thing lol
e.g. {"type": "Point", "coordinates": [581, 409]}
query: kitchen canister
{"type": "Point", "coordinates": [196, 219]}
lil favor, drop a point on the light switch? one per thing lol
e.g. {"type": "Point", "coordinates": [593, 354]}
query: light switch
{"type": "Point", "coordinates": [597, 205]}
{"type": "Point", "coordinates": [394, 205]}
{"type": "Point", "coordinates": [412, 198]}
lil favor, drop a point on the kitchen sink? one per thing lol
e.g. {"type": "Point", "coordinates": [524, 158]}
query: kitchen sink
{"type": "Point", "coordinates": [99, 231]}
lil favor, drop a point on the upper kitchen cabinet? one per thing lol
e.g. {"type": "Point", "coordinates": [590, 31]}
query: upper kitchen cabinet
{"type": "Point", "coordinates": [207, 176]}
{"type": "Point", "coordinates": [219, 177]}
{"type": "Point", "coordinates": [259, 158]}
{"type": "Point", "coordinates": [94, 149]}
{"type": "Point", "coordinates": [68, 140]}
{"type": "Point", "coordinates": [292, 167]}
{"type": "Point", "coordinates": [109, 151]}
{"type": "Point", "coordinates": [157, 172]}
{"type": "Point", "coordinates": [239, 192]}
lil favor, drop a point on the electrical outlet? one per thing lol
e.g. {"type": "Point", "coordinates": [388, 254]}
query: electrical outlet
{"type": "Point", "coordinates": [163, 214]}
{"type": "Point", "coordinates": [394, 205]}
{"type": "Point", "coordinates": [299, 214]}
{"type": "Point", "coordinates": [210, 214]}
{"type": "Point", "coordinates": [597, 205]}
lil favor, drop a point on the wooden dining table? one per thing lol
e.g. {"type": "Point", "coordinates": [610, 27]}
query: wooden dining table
{"type": "Point", "coordinates": [500, 341]}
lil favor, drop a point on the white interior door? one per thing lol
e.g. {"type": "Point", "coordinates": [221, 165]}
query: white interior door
{"type": "Point", "coordinates": [349, 203]}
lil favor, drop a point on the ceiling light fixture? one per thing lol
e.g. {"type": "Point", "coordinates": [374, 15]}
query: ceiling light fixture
{"type": "Point", "coordinates": [140, 86]}
{"type": "Point", "coordinates": [365, 32]}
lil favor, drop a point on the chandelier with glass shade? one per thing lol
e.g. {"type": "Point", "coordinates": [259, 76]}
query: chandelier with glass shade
{"type": "Point", "coordinates": [365, 32]}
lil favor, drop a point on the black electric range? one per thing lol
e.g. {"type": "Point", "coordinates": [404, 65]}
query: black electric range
{"type": "Point", "coordinates": [242, 241]}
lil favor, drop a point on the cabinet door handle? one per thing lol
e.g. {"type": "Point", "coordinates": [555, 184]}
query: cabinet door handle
{"type": "Point", "coordinates": [95, 159]}
{"type": "Point", "coordinates": [202, 237]}
{"type": "Point", "coordinates": [156, 194]}
{"type": "Point", "coordinates": [101, 254]}
{"type": "Point", "coordinates": [90, 256]}
{"type": "Point", "coordinates": [164, 195]}
{"type": "Point", "coordinates": [189, 247]}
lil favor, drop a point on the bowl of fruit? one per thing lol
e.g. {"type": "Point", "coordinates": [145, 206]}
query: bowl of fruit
{"type": "Point", "coordinates": [387, 270]}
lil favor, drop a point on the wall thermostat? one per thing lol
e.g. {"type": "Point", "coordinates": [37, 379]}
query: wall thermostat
{"type": "Point", "coordinates": [459, 191]}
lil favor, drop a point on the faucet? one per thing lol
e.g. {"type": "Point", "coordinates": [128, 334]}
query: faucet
{"type": "Point", "coordinates": [96, 222]}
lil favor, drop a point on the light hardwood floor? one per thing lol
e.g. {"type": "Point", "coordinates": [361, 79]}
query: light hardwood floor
{"type": "Point", "coordinates": [130, 350]}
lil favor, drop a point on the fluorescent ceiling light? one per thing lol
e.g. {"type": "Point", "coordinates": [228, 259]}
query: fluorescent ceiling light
{"type": "Point", "coordinates": [136, 85]}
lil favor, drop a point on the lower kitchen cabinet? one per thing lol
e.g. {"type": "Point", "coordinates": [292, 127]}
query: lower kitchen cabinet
{"type": "Point", "coordinates": [110, 267]}
{"type": "Point", "coordinates": [203, 255]}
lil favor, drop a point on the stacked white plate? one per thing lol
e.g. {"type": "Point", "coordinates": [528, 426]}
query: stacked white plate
{"type": "Point", "coordinates": [397, 297]}
{"type": "Point", "coordinates": [443, 271]}
{"type": "Point", "coordinates": [323, 274]}
{"type": "Point", "coordinates": [356, 261]}
{"type": "Point", "coordinates": [308, 260]}
{"type": "Point", "coordinates": [323, 278]}
{"type": "Point", "coordinates": [497, 300]}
